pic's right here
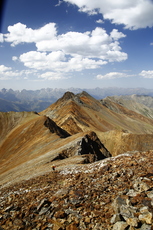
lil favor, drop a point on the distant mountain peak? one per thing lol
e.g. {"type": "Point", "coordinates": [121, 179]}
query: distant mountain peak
{"type": "Point", "coordinates": [76, 97]}
{"type": "Point", "coordinates": [84, 93]}
{"type": "Point", "coordinates": [68, 95]}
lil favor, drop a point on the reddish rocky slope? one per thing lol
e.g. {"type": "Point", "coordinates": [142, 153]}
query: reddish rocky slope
{"type": "Point", "coordinates": [116, 193]}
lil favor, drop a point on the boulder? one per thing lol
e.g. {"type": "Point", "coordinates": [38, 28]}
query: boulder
{"type": "Point", "coordinates": [120, 225]}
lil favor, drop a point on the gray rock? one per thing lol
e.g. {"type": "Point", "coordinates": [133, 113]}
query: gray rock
{"type": "Point", "coordinates": [145, 227]}
{"type": "Point", "coordinates": [115, 218]}
{"type": "Point", "coordinates": [44, 210]}
{"type": "Point", "coordinates": [43, 203]}
{"type": "Point", "coordinates": [146, 217]}
{"type": "Point", "coordinates": [144, 209]}
{"type": "Point", "coordinates": [140, 186]}
{"type": "Point", "coordinates": [120, 225]}
{"type": "Point", "coordinates": [127, 211]}
{"type": "Point", "coordinates": [132, 193]}
{"type": "Point", "coordinates": [133, 222]}
{"type": "Point", "coordinates": [150, 195]}
{"type": "Point", "coordinates": [118, 202]}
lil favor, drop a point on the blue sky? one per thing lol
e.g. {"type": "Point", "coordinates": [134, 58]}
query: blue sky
{"type": "Point", "coordinates": [73, 43]}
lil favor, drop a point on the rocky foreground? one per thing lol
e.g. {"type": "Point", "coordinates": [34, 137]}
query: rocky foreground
{"type": "Point", "coordinates": [114, 193]}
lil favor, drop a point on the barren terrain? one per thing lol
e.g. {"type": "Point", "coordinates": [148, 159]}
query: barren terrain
{"type": "Point", "coordinates": [79, 164]}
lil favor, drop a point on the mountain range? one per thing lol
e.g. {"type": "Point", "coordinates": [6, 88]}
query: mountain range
{"type": "Point", "coordinates": [38, 100]}
{"type": "Point", "coordinates": [76, 160]}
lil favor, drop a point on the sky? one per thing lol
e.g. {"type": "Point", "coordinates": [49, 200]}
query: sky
{"type": "Point", "coordinates": [76, 43]}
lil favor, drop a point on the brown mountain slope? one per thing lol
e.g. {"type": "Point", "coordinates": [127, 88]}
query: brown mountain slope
{"type": "Point", "coordinates": [113, 193]}
{"type": "Point", "coordinates": [86, 113]}
{"type": "Point", "coordinates": [135, 103]}
{"type": "Point", "coordinates": [28, 140]}
{"type": "Point", "coordinates": [10, 120]}
{"type": "Point", "coordinates": [34, 143]}
{"type": "Point", "coordinates": [118, 142]}
{"type": "Point", "coordinates": [113, 123]}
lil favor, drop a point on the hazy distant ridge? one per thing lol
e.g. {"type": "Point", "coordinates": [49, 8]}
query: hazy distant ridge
{"type": "Point", "coordinates": [37, 100]}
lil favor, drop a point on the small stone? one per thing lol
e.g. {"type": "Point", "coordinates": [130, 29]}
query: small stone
{"type": "Point", "coordinates": [117, 204]}
{"type": "Point", "coordinates": [140, 186]}
{"type": "Point", "coordinates": [57, 226]}
{"type": "Point", "coordinates": [146, 217]}
{"type": "Point", "coordinates": [17, 222]}
{"type": "Point", "coordinates": [43, 211]}
{"type": "Point", "coordinates": [144, 209]}
{"type": "Point", "coordinates": [127, 211]}
{"type": "Point", "coordinates": [72, 227]}
{"type": "Point", "coordinates": [131, 228]}
{"type": "Point", "coordinates": [132, 222]}
{"type": "Point", "coordinates": [120, 225]}
{"type": "Point", "coordinates": [87, 220]}
{"type": "Point", "coordinates": [145, 227]}
{"type": "Point", "coordinates": [150, 195]}
{"type": "Point", "coordinates": [60, 214]}
{"type": "Point", "coordinates": [132, 193]}
{"type": "Point", "coordinates": [115, 218]}
{"type": "Point", "coordinates": [42, 203]}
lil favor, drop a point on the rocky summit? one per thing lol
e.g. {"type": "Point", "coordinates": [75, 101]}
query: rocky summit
{"type": "Point", "coordinates": [80, 164]}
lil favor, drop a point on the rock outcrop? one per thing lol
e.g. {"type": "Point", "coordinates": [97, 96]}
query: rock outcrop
{"type": "Point", "coordinates": [51, 125]}
{"type": "Point", "coordinates": [89, 146]}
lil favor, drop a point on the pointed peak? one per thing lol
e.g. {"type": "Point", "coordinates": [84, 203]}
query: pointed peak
{"type": "Point", "coordinates": [68, 95]}
{"type": "Point", "coordinates": [84, 93]}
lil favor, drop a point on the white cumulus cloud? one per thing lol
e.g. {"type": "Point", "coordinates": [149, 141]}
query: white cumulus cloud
{"type": "Point", "coordinates": [4, 68]}
{"type": "Point", "coordinates": [92, 44]}
{"type": "Point", "coordinates": [146, 74]}
{"type": "Point", "coordinates": [51, 76]}
{"type": "Point", "coordinates": [14, 58]}
{"type": "Point", "coordinates": [100, 21]}
{"type": "Point", "coordinates": [1, 38]}
{"type": "Point", "coordinates": [113, 75]}
{"type": "Point", "coordinates": [133, 14]}
{"type": "Point", "coordinates": [72, 51]}
{"type": "Point", "coordinates": [19, 33]}
{"type": "Point", "coordinates": [56, 61]}
{"type": "Point", "coordinates": [116, 35]}
{"type": "Point", "coordinates": [69, 52]}
{"type": "Point", "coordinates": [8, 73]}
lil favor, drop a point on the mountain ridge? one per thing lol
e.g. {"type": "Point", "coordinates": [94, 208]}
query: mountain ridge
{"type": "Point", "coordinates": [137, 103]}
{"type": "Point", "coordinates": [83, 107]}
{"type": "Point", "coordinates": [38, 100]}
